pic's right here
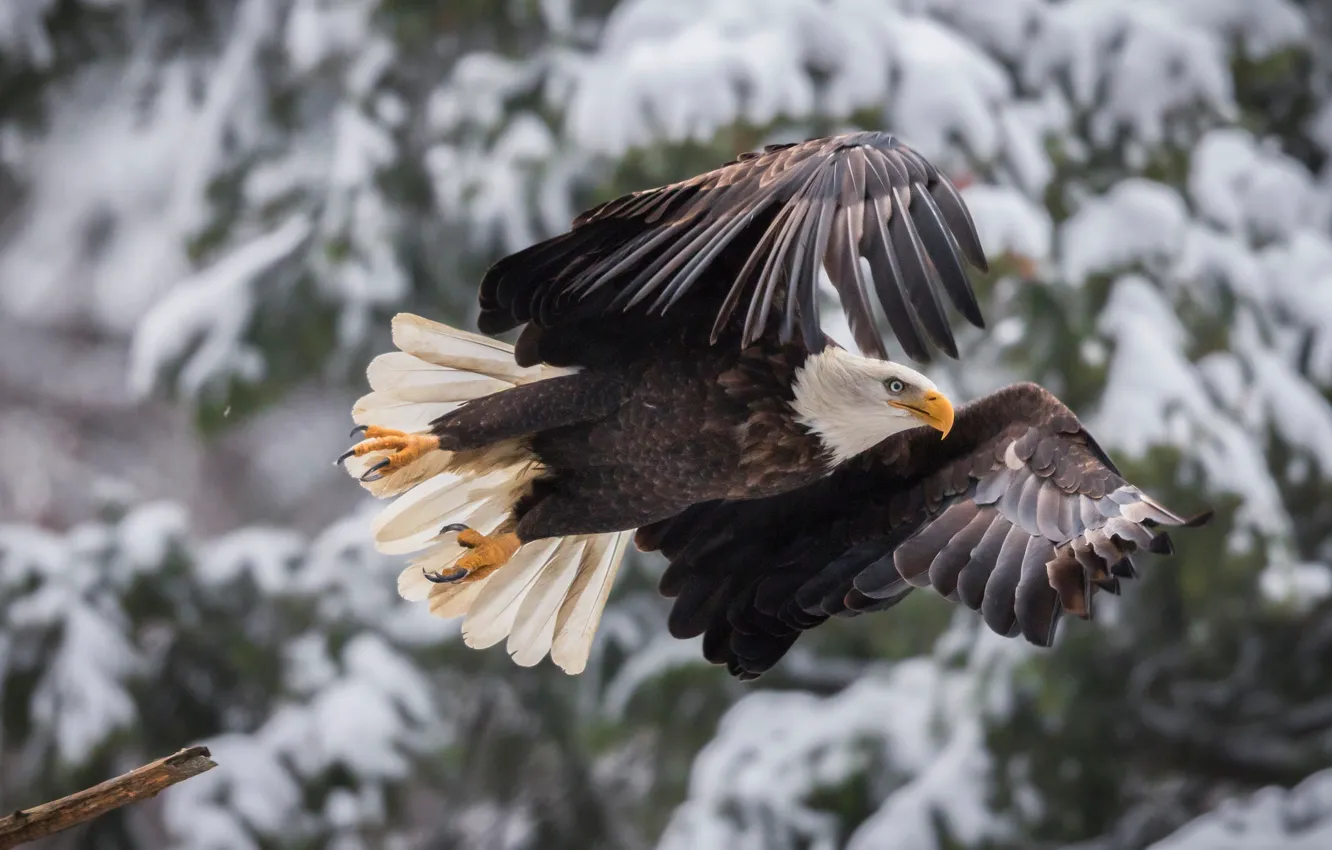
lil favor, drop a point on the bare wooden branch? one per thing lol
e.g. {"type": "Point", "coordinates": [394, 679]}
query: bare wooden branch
{"type": "Point", "coordinates": [141, 783]}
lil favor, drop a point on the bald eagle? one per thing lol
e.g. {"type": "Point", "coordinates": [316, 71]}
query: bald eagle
{"type": "Point", "coordinates": [671, 383]}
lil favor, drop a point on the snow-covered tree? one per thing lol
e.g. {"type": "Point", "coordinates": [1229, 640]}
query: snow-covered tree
{"type": "Point", "coordinates": [208, 212]}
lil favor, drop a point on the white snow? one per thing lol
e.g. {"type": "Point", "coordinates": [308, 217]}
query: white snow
{"type": "Point", "coordinates": [493, 185]}
{"type": "Point", "coordinates": [203, 320]}
{"type": "Point", "coordinates": [657, 657]}
{"type": "Point", "coordinates": [681, 70]}
{"type": "Point", "coordinates": [1010, 222]}
{"type": "Point", "coordinates": [678, 70]}
{"type": "Point", "coordinates": [1155, 396]}
{"type": "Point", "coordinates": [319, 31]}
{"type": "Point", "coordinates": [367, 720]}
{"type": "Point", "coordinates": [124, 179]}
{"type": "Point", "coordinates": [122, 183]}
{"type": "Point", "coordinates": [367, 708]}
{"type": "Point", "coordinates": [1295, 410]}
{"type": "Point", "coordinates": [1241, 187]}
{"type": "Point", "coordinates": [1138, 222]}
{"type": "Point", "coordinates": [1027, 125]}
{"type": "Point", "coordinates": [1272, 819]}
{"type": "Point", "coordinates": [23, 33]}
{"type": "Point", "coordinates": [912, 729]}
{"type": "Point", "coordinates": [947, 90]}
{"type": "Point", "coordinates": [148, 536]}
{"type": "Point", "coordinates": [1300, 585]}
{"type": "Point", "coordinates": [61, 592]}
{"type": "Point", "coordinates": [1299, 273]}
{"type": "Point", "coordinates": [1004, 26]}
{"type": "Point", "coordinates": [1132, 66]}
{"type": "Point", "coordinates": [81, 699]}
{"type": "Point", "coordinates": [1263, 26]}
{"type": "Point", "coordinates": [250, 789]}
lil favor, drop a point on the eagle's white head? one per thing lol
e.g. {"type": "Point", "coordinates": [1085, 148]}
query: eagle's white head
{"type": "Point", "coordinates": [854, 403]}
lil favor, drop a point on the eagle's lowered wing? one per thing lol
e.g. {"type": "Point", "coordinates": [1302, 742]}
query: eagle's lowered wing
{"type": "Point", "coordinates": [1017, 514]}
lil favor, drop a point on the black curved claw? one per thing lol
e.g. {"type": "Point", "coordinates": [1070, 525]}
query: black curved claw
{"type": "Point", "coordinates": [359, 430]}
{"type": "Point", "coordinates": [456, 526]}
{"type": "Point", "coordinates": [446, 578]}
{"type": "Point", "coordinates": [374, 470]}
{"type": "Point", "coordinates": [342, 457]}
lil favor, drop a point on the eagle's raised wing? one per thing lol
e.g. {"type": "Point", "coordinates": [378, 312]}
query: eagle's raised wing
{"type": "Point", "coordinates": [748, 239]}
{"type": "Point", "coordinates": [1018, 514]}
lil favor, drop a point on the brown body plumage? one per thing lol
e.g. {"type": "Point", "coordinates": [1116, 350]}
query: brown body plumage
{"type": "Point", "coordinates": [637, 441]}
{"type": "Point", "coordinates": [671, 378]}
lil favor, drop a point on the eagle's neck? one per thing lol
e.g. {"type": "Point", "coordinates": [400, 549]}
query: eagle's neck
{"type": "Point", "coordinates": [838, 405]}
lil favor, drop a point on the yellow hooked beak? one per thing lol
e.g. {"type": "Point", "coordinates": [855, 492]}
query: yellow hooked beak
{"type": "Point", "coordinates": [932, 408]}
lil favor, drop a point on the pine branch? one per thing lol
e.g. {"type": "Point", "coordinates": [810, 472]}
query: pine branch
{"type": "Point", "coordinates": [141, 783]}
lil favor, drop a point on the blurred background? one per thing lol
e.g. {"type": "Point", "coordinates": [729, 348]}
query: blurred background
{"type": "Point", "coordinates": [210, 210]}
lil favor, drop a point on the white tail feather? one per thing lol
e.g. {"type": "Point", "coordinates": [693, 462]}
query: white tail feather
{"type": "Point", "coordinates": [464, 352]}
{"type": "Point", "coordinates": [438, 502]}
{"type": "Point", "coordinates": [534, 629]}
{"type": "Point", "coordinates": [580, 613]}
{"type": "Point", "coordinates": [549, 598]}
{"type": "Point", "coordinates": [495, 611]}
{"type": "Point", "coordinates": [453, 601]}
{"type": "Point", "coordinates": [410, 379]}
{"type": "Point", "coordinates": [388, 411]}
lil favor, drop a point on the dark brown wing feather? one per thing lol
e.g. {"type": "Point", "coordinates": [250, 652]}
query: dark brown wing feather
{"type": "Point", "coordinates": [776, 217]}
{"type": "Point", "coordinates": [1018, 514]}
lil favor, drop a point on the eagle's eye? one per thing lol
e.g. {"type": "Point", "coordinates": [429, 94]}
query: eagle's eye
{"type": "Point", "coordinates": [895, 386]}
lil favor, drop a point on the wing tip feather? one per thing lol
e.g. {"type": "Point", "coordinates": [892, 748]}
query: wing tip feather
{"type": "Point", "coordinates": [706, 212]}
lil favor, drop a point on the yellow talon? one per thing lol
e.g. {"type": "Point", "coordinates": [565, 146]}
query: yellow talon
{"type": "Point", "coordinates": [489, 553]}
{"type": "Point", "coordinates": [403, 449]}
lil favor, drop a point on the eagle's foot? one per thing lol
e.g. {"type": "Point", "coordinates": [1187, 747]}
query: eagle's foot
{"type": "Point", "coordinates": [403, 448]}
{"type": "Point", "coordinates": [488, 553]}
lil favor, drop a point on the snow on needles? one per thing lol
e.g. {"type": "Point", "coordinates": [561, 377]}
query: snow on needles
{"type": "Point", "coordinates": [23, 35]}
{"type": "Point", "coordinates": [55, 596]}
{"type": "Point", "coordinates": [1134, 66]}
{"type": "Point", "coordinates": [1137, 223]}
{"type": "Point", "coordinates": [1242, 188]}
{"type": "Point", "coordinates": [1298, 818]}
{"type": "Point", "coordinates": [138, 154]}
{"type": "Point", "coordinates": [913, 730]}
{"type": "Point", "coordinates": [120, 228]}
{"type": "Point", "coordinates": [360, 706]}
{"type": "Point", "coordinates": [203, 320]}
{"type": "Point", "coordinates": [683, 70]}
{"type": "Point", "coordinates": [1261, 237]}
{"type": "Point", "coordinates": [1155, 396]}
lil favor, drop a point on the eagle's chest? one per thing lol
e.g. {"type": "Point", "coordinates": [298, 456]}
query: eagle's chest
{"type": "Point", "coordinates": [723, 429]}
